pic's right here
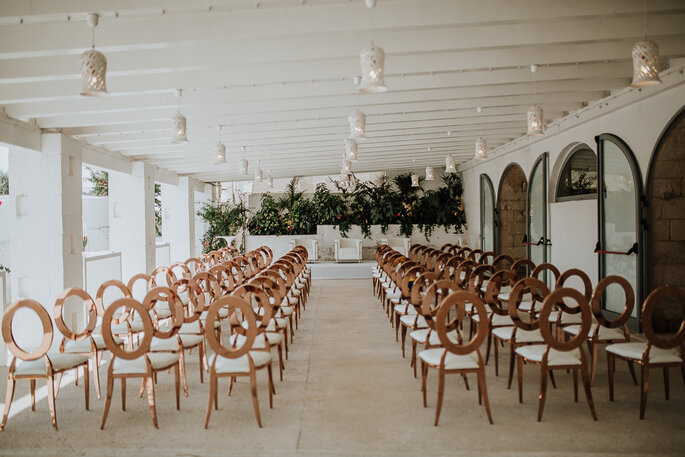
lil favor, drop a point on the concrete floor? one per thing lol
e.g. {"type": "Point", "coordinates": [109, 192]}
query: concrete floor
{"type": "Point", "coordinates": [347, 391]}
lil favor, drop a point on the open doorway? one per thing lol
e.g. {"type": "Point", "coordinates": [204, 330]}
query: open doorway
{"type": "Point", "coordinates": [511, 209]}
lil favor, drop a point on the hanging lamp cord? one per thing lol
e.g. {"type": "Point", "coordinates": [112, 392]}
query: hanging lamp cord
{"type": "Point", "coordinates": [644, 20]}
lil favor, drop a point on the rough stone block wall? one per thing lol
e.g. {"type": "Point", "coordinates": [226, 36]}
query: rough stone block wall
{"type": "Point", "coordinates": [667, 222]}
{"type": "Point", "coordinates": [512, 213]}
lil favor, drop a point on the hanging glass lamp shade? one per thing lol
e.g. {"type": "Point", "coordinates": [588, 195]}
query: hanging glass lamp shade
{"type": "Point", "coordinates": [645, 64]}
{"type": "Point", "coordinates": [357, 120]}
{"type": "Point", "coordinates": [481, 149]}
{"type": "Point", "coordinates": [430, 176]}
{"type": "Point", "coordinates": [450, 165]}
{"type": "Point", "coordinates": [93, 72]}
{"type": "Point", "coordinates": [535, 121]}
{"type": "Point", "coordinates": [372, 60]}
{"type": "Point", "coordinates": [414, 180]}
{"type": "Point", "coordinates": [346, 166]}
{"type": "Point", "coordinates": [243, 167]}
{"type": "Point", "coordinates": [220, 151]}
{"type": "Point", "coordinates": [180, 132]}
{"type": "Point", "coordinates": [270, 181]}
{"type": "Point", "coordinates": [258, 175]}
{"type": "Point", "coordinates": [351, 149]}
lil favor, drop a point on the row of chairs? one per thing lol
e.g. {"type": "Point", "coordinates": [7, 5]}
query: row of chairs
{"type": "Point", "coordinates": [541, 324]}
{"type": "Point", "coordinates": [244, 301]}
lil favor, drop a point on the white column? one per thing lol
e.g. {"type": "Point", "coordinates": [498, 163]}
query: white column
{"type": "Point", "coordinates": [132, 218]}
{"type": "Point", "coordinates": [45, 227]}
{"type": "Point", "coordinates": [203, 194]}
{"type": "Point", "coordinates": [178, 220]}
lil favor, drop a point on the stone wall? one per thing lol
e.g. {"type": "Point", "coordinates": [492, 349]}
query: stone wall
{"type": "Point", "coordinates": [512, 213]}
{"type": "Point", "coordinates": [667, 220]}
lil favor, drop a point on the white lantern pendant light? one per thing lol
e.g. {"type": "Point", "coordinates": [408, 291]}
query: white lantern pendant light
{"type": "Point", "coordinates": [220, 149]}
{"type": "Point", "coordinates": [430, 176]}
{"type": "Point", "coordinates": [180, 123]}
{"type": "Point", "coordinates": [372, 60]}
{"type": "Point", "coordinates": [481, 149]}
{"type": "Point", "coordinates": [534, 116]}
{"type": "Point", "coordinates": [645, 58]}
{"type": "Point", "coordinates": [414, 180]}
{"type": "Point", "coordinates": [270, 181]}
{"type": "Point", "coordinates": [93, 66]}
{"type": "Point", "coordinates": [357, 120]}
{"type": "Point", "coordinates": [346, 166]}
{"type": "Point", "coordinates": [351, 150]}
{"type": "Point", "coordinates": [243, 164]}
{"type": "Point", "coordinates": [450, 165]}
{"type": "Point", "coordinates": [258, 175]}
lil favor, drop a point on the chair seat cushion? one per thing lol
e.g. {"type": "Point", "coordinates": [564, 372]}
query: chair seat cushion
{"type": "Point", "coordinates": [394, 294]}
{"type": "Point", "coordinates": [241, 364]}
{"type": "Point", "coordinates": [522, 336]}
{"type": "Point", "coordinates": [635, 350]}
{"type": "Point", "coordinates": [452, 361]}
{"type": "Point", "coordinates": [605, 334]}
{"type": "Point", "coordinates": [555, 358]}
{"type": "Point", "coordinates": [190, 341]}
{"type": "Point", "coordinates": [190, 327]}
{"type": "Point", "coordinates": [566, 318]}
{"type": "Point", "coordinates": [164, 344]}
{"type": "Point", "coordinates": [413, 321]}
{"type": "Point", "coordinates": [497, 320]}
{"type": "Point", "coordinates": [420, 337]}
{"type": "Point", "coordinates": [59, 362]}
{"type": "Point", "coordinates": [158, 361]}
{"type": "Point", "coordinates": [84, 345]}
{"type": "Point", "coordinates": [405, 308]}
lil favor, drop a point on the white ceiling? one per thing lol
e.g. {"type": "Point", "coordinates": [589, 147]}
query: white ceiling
{"type": "Point", "coordinates": [277, 74]}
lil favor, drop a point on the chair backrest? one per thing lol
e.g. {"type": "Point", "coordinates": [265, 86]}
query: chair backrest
{"type": "Point", "coordinates": [436, 292]}
{"type": "Point", "coordinates": [670, 294]}
{"type": "Point", "coordinates": [195, 303]}
{"type": "Point", "coordinates": [102, 303]}
{"type": "Point", "coordinates": [174, 304]}
{"type": "Point", "coordinates": [348, 243]}
{"type": "Point", "coordinates": [545, 268]}
{"type": "Point", "coordinates": [141, 279]}
{"type": "Point", "coordinates": [447, 321]}
{"type": "Point", "coordinates": [58, 313]}
{"type": "Point", "coordinates": [503, 262]}
{"type": "Point", "coordinates": [164, 276]}
{"type": "Point", "coordinates": [564, 295]}
{"type": "Point", "coordinates": [538, 290]}
{"type": "Point", "coordinates": [141, 345]}
{"type": "Point", "coordinates": [236, 306]}
{"type": "Point", "coordinates": [180, 270]}
{"type": "Point", "coordinates": [501, 278]}
{"type": "Point", "coordinates": [195, 265]}
{"type": "Point", "coordinates": [479, 276]}
{"type": "Point", "coordinates": [8, 335]}
{"type": "Point", "coordinates": [210, 286]}
{"type": "Point", "coordinates": [523, 268]}
{"type": "Point", "coordinates": [258, 300]}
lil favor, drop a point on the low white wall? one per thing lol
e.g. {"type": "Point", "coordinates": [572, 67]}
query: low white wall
{"type": "Point", "coordinates": [5, 214]}
{"type": "Point", "coordinates": [279, 244]}
{"type": "Point", "coordinates": [96, 222]}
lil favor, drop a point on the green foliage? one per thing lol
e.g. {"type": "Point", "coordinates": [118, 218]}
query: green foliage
{"type": "Point", "coordinates": [2, 267]}
{"type": "Point", "coordinates": [223, 219]}
{"type": "Point", "coordinates": [100, 182]}
{"type": "Point", "coordinates": [328, 207]}
{"type": "Point", "coordinates": [291, 197]}
{"type": "Point", "coordinates": [302, 218]}
{"type": "Point", "coordinates": [267, 221]}
{"type": "Point", "coordinates": [4, 183]}
{"type": "Point", "coordinates": [158, 209]}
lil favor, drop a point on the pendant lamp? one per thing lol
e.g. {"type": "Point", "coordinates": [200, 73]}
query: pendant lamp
{"type": "Point", "coordinates": [450, 165]}
{"type": "Point", "coordinates": [357, 121]}
{"type": "Point", "coordinates": [93, 66]}
{"type": "Point", "coordinates": [220, 149]}
{"type": "Point", "coordinates": [351, 149]}
{"type": "Point", "coordinates": [481, 149]}
{"type": "Point", "coordinates": [179, 122]}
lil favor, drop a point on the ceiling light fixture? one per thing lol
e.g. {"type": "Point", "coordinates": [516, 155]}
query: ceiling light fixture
{"type": "Point", "coordinates": [351, 149]}
{"type": "Point", "coordinates": [414, 176]}
{"type": "Point", "coordinates": [645, 58]}
{"type": "Point", "coordinates": [534, 116]}
{"type": "Point", "coordinates": [220, 149]}
{"type": "Point", "coordinates": [450, 165]}
{"type": "Point", "coordinates": [270, 181]}
{"type": "Point", "coordinates": [372, 61]}
{"type": "Point", "coordinates": [258, 174]}
{"type": "Point", "coordinates": [430, 176]}
{"type": "Point", "coordinates": [180, 122]}
{"type": "Point", "coordinates": [357, 121]}
{"type": "Point", "coordinates": [243, 164]}
{"type": "Point", "coordinates": [481, 149]}
{"type": "Point", "coordinates": [93, 65]}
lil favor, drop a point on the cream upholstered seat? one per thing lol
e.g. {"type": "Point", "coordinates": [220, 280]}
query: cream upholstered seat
{"type": "Point", "coordinates": [452, 361]}
{"type": "Point", "coordinates": [58, 360]}
{"type": "Point", "coordinates": [85, 344]}
{"type": "Point", "coordinates": [242, 364]}
{"type": "Point", "coordinates": [555, 358]}
{"type": "Point", "coordinates": [158, 361]}
{"type": "Point", "coordinates": [522, 336]}
{"type": "Point", "coordinates": [348, 249]}
{"type": "Point", "coordinates": [636, 350]}
{"type": "Point", "coordinates": [604, 333]}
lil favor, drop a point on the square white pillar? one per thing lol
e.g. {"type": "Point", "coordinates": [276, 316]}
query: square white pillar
{"type": "Point", "coordinates": [132, 218]}
{"type": "Point", "coordinates": [178, 221]}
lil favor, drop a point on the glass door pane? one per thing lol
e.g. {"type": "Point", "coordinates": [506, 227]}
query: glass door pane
{"type": "Point", "coordinates": [619, 197]}
{"type": "Point", "coordinates": [487, 214]}
{"type": "Point", "coordinates": [537, 212]}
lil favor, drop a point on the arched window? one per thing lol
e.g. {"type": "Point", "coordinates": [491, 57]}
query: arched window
{"type": "Point", "coordinates": [578, 177]}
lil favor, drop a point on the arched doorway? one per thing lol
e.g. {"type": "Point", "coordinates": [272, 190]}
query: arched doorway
{"type": "Point", "coordinates": [511, 209]}
{"type": "Point", "coordinates": [665, 236]}
{"type": "Point", "coordinates": [537, 211]}
{"type": "Point", "coordinates": [487, 214]}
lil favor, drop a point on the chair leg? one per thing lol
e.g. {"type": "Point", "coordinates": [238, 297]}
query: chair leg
{"type": "Point", "coordinates": [184, 381]}
{"type": "Point", "coordinates": [215, 386]}
{"type": "Point", "coordinates": [413, 356]}
{"type": "Point", "coordinates": [271, 386]}
{"type": "Point", "coordinates": [595, 357]}
{"type": "Point", "coordinates": [643, 396]}
{"type": "Point", "coordinates": [543, 392]}
{"type": "Point", "coordinates": [96, 372]}
{"type": "Point", "coordinates": [484, 392]}
{"type": "Point", "coordinates": [441, 393]}
{"type": "Point", "coordinates": [404, 338]}
{"type": "Point", "coordinates": [123, 393]}
{"type": "Point", "coordinates": [551, 378]}
{"type": "Point", "coordinates": [201, 354]}
{"type": "Point", "coordinates": [108, 400]}
{"type": "Point", "coordinates": [51, 401]}
{"type": "Point", "coordinates": [487, 350]}
{"type": "Point", "coordinates": [511, 365]}
{"type": "Point", "coordinates": [177, 385]}
{"type": "Point", "coordinates": [575, 385]}
{"type": "Point", "coordinates": [211, 399]}
{"type": "Point", "coordinates": [33, 394]}
{"type": "Point", "coordinates": [496, 355]}
{"type": "Point", "coordinates": [610, 370]}
{"type": "Point", "coordinates": [424, 375]}
{"type": "Point", "coordinates": [586, 384]}
{"type": "Point", "coordinates": [151, 400]}
{"type": "Point", "coordinates": [255, 400]}
{"type": "Point", "coordinates": [666, 389]}
{"type": "Point", "coordinates": [632, 371]}
{"type": "Point", "coordinates": [8, 401]}
{"type": "Point", "coordinates": [280, 363]}
{"type": "Point", "coordinates": [519, 366]}
{"type": "Point", "coordinates": [58, 383]}
{"type": "Point", "coordinates": [86, 384]}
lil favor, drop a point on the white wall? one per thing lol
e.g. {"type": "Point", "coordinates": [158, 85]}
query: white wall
{"type": "Point", "coordinates": [637, 117]}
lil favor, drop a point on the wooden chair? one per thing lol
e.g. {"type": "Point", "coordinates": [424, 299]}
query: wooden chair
{"type": "Point", "coordinates": [241, 359]}
{"type": "Point", "coordinates": [39, 364]}
{"type": "Point", "coordinates": [137, 362]}
{"type": "Point", "coordinates": [555, 354]}
{"type": "Point", "coordinates": [657, 352]}
{"type": "Point", "coordinates": [461, 358]}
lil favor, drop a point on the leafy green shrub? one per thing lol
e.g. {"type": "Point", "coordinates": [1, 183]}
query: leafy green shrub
{"type": "Point", "coordinates": [267, 221]}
